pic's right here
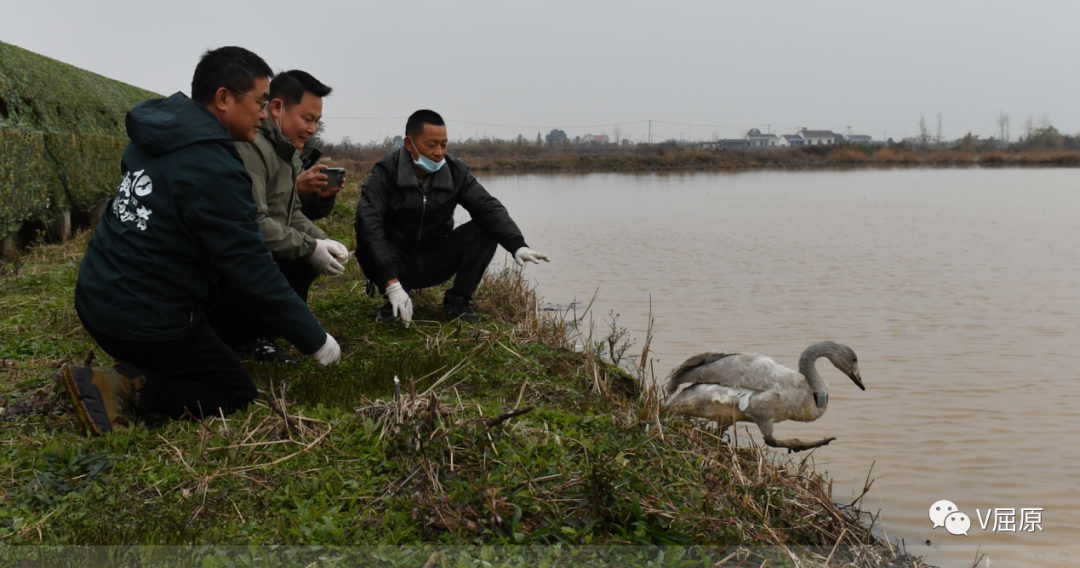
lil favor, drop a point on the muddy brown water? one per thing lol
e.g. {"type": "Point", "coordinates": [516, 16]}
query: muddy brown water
{"type": "Point", "coordinates": [958, 289]}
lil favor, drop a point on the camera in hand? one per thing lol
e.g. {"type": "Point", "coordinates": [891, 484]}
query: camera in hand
{"type": "Point", "coordinates": [335, 177]}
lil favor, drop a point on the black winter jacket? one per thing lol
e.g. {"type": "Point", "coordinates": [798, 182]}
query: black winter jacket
{"type": "Point", "coordinates": [181, 221]}
{"type": "Point", "coordinates": [394, 212]}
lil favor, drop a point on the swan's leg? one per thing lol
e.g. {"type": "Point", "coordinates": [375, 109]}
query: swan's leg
{"type": "Point", "coordinates": [721, 427]}
{"type": "Point", "coordinates": [792, 444]}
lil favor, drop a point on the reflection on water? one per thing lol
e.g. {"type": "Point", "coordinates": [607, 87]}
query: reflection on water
{"type": "Point", "coordinates": [958, 289]}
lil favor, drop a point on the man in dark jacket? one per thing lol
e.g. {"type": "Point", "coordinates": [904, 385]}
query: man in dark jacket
{"type": "Point", "coordinates": [182, 221]}
{"type": "Point", "coordinates": [405, 232]}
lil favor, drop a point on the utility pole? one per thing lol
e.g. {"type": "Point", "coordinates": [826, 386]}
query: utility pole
{"type": "Point", "coordinates": [769, 129]}
{"type": "Point", "coordinates": [650, 132]}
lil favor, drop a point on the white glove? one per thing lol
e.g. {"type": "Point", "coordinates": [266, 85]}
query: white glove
{"type": "Point", "coordinates": [324, 261]}
{"type": "Point", "coordinates": [329, 353]}
{"type": "Point", "coordinates": [526, 254]}
{"type": "Point", "coordinates": [401, 302]}
{"type": "Point", "coordinates": [338, 251]}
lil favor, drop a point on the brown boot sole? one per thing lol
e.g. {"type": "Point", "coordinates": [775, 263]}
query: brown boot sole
{"type": "Point", "coordinates": [76, 400]}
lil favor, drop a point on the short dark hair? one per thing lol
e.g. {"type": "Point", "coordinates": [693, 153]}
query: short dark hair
{"type": "Point", "coordinates": [231, 67]}
{"type": "Point", "coordinates": [417, 120]}
{"type": "Point", "coordinates": [289, 86]}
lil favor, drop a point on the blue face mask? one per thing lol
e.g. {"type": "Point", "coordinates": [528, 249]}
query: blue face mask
{"type": "Point", "coordinates": [425, 163]}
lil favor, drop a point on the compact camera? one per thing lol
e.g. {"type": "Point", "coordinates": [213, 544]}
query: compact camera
{"type": "Point", "coordinates": [335, 177]}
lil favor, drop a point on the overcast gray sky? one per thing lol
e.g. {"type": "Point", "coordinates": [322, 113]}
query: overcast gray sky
{"type": "Point", "coordinates": [723, 66]}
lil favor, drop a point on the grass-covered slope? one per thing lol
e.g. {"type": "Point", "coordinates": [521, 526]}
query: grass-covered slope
{"type": "Point", "coordinates": [500, 434]}
{"type": "Point", "coordinates": [61, 136]}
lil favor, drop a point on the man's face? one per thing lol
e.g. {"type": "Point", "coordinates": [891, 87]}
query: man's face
{"type": "Point", "coordinates": [431, 143]}
{"type": "Point", "coordinates": [242, 114]}
{"type": "Point", "coordinates": [299, 122]}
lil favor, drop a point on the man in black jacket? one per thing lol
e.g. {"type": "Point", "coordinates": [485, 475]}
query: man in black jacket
{"type": "Point", "coordinates": [405, 232]}
{"type": "Point", "coordinates": [182, 221]}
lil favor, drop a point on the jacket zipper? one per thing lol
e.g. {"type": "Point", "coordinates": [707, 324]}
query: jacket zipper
{"type": "Point", "coordinates": [420, 231]}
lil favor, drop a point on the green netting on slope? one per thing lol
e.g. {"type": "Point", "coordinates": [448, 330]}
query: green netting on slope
{"type": "Point", "coordinates": [78, 117]}
{"type": "Point", "coordinates": [29, 187]}
{"type": "Point", "coordinates": [91, 165]}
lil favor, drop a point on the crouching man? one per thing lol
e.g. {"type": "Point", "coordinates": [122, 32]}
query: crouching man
{"type": "Point", "coordinates": [406, 239]}
{"type": "Point", "coordinates": [301, 250]}
{"type": "Point", "coordinates": [182, 221]}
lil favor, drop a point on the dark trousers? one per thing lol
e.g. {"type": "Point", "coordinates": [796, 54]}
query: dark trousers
{"type": "Point", "coordinates": [197, 372]}
{"type": "Point", "coordinates": [463, 255]}
{"type": "Point", "coordinates": [238, 324]}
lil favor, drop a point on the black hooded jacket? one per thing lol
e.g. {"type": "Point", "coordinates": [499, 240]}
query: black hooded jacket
{"type": "Point", "coordinates": [181, 221]}
{"type": "Point", "coordinates": [394, 212]}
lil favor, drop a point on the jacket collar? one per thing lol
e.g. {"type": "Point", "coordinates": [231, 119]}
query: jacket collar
{"type": "Point", "coordinates": [407, 177]}
{"type": "Point", "coordinates": [282, 146]}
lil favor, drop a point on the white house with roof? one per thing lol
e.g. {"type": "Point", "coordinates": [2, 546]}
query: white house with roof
{"type": "Point", "coordinates": [791, 140]}
{"type": "Point", "coordinates": [759, 140]}
{"type": "Point", "coordinates": [818, 137]}
{"type": "Point", "coordinates": [594, 139]}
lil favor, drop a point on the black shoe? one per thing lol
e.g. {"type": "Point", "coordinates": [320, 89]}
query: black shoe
{"type": "Point", "coordinates": [461, 311]}
{"type": "Point", "coordinates": [263, 350]}
{"type": "Point", "coordinates": [385, 313]}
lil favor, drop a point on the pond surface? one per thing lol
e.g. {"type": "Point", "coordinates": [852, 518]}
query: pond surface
{"type": "Point", "coordinates": [958, 289]}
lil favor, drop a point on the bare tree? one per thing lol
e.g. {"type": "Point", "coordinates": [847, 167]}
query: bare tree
{"type": "Point", "coordinates": [937, 138]}
{"type": "Point", "coordinates": [1003, 127]}
{"type": "Point", "coordinates": [924, 133]}
{"type": "Point", "coordinates": [1029, 126]}
{"type": "Point", "coordinates": [1044, 121]}
{"type": "Point", "coordinates": [617, 131]}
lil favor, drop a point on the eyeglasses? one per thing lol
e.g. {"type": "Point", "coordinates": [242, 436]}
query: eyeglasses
{"type": "Point", "coordinates": [262, 104]}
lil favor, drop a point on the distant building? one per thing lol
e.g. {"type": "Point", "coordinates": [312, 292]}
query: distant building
{"type": "Point", "coordinates": [730, 144]}
{"type": "Point", "coordinates": [594, 139]}
{"type": "Point", "coordinates": [860, 139]}
{"type": "Point", "coordinates": [818, 137]}
{"type": "Point", "coordinates": [759, 140]}
{"type": "Point", "coordinates": [792, 140]}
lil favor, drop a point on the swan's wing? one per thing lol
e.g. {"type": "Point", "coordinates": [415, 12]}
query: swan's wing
{"type": "Point", "coordinates": [679, 375]}
{"type": "Point", "coordinates": [734, 370]}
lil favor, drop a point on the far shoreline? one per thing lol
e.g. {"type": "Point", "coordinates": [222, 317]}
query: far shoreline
{"type": "Point", "coordinates": [679, 159]}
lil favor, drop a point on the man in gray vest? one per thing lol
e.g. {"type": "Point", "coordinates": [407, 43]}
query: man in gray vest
{"type": "Point", "coordinates": [301, 250]}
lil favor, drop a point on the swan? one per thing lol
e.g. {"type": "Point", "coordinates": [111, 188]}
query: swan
{"type": "Point", "coordinates": [747, 387]}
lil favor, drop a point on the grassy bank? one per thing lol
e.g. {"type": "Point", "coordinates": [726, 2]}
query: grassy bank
{"type": "Point", "coordinates": [502, 434]}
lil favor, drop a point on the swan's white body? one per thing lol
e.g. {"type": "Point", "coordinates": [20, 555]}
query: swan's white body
{"type": "Point", "coordinates": [747, 387]}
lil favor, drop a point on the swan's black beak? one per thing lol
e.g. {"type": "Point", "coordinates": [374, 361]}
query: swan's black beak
{"type": "Point", "coordinates": [855, 378]}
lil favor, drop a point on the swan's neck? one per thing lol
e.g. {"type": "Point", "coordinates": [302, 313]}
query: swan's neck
{"type": "Point", "coordinates": [806, 366]}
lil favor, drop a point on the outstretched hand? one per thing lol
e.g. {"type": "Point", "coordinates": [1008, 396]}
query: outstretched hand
{"type": "Point", "coordinates": [526, 254]}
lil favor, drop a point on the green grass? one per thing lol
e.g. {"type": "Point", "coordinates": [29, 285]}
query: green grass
{"type": "Point", "coordinates": [592, 464]}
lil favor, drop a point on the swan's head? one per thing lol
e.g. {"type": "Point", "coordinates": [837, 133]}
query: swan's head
{"type": "Point", "coordinates": [843, 358]}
